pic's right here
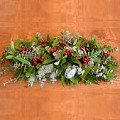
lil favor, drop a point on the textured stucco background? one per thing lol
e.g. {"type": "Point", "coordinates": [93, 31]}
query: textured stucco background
{"type": "Point", "coordinates": [26, 17]}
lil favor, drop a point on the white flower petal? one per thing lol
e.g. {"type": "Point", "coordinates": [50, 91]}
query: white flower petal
{"type": "Point", "coordinates": [79, 71]}
{"type": "Point", "coordinates": [83, 72]}
{"type": "Point", "coordinates": [71, 73]}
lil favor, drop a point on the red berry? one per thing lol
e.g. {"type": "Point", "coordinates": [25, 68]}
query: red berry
{"type": "Point", "coordinates": [65, 53]}
{"type": "Point", "coordinates": [66, 50]}
{"type": "Point", "coordinates": [51, 50]}
{"type": "Point", "coordinates": [41, 60]}
{"type": "Point", "coordinates": [54, 48]}
{"type": "Point", "coordinates": [70, 51]}
{"type": "Point", "coordinates": [84, 64]}
{"type": "Point", "coordinates": [61, 47]}
{"type": "Point", "coordinates": [44, 45]}
{"type": "Point", "coordinates": [86, 49]}
{"type": "Point", "coordinates": [37, 57]}
{"type": "Point", "coordinates": [35, 63]}
{"type": "Point", "coordinates": [108, 54]}
{"type": "Point", "coordinates": [23, 49]}
{"type": "Point", "coordinates": [86, 60]}
{"type": "Point", "coordinates": [82, 47]}
{"type": "Point", "coordinates": [42, 57]}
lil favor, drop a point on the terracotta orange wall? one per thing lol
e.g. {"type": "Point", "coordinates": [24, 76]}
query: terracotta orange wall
{"type": "Point", "coordinates": [25, 18]}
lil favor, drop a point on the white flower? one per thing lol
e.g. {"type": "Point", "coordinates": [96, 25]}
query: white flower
{"type": "Point", "coordinates": [71, 73]}
{"type": "Point", "coordinates": [102, 67]}
{"type": "Point", "coordinates": [98, 64]}
{"type": "Point", "coordinates": [42, 84]}
{"type": "Point", "coordinates": [31, 80]}
{"type": "Point", "coordinates": [83, 72]}
{"type": "Point", "coordinates": [104, 76]}
{"type": "Point", "coordinates": [53, 76]}
{"type": "Point", "coordinates": [100, 74]}
{"type": "Point", "coordinates": [75, 66]}
{"type": "Point", "coordinates": [72, 70]}
{"type": "Point", "coordinates": [79, 71]}
{"type": "Point", "coordinates": [97, 71]}
{"type": "Point", "coordinates": [91, 62]}
{"type": "Point", "coordinates": [43, 79]}
{"type": "Point", "coordinates": [105, 62]}
{"type": "Point", "coordinates": [74, 48]}
{"type": "Point", "coordinates": [116, 49]}
{"type": "Point", "coordinates": [80, 52]}
{"type": "Point", "coordinates": [97, 75]}
{"type": "Point", "coordinates": [54, 54]}
{"type": "Point", "coordinates": [67, 70]}
{"type": "Point", "coordinates": [111, 71]}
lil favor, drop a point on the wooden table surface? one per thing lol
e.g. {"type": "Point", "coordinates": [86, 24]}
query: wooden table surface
{"type": "Point", "coordinates": [53, 102]}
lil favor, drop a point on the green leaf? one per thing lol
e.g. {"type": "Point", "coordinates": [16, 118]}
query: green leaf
{"type": "Point", "coordinates": [78, 44]}
{"type": "Point", "coordinates": [86, 72]}
{"type": "Point", "coordinates": [63, 60]}
{"type": "Point", "coordinates": [29, 71]}
{"type": "Point", "coordinates": [22, 78]}
{"type": "Point", "coordinates": [48, 37]}
{"type": "Point", "coordinates": [74, 80]}
{"type": "Point", "coordinates": [12, 46]}
{"type": "Point", "coordinates": [38, 65]}
{"type": "Point", "coordinates": [26, 43]}
{"type": "Point", "coordinates": [50, 60]}
{"type": "Point", "coordinates": [27, 74]}
{"type": "Point", "coordinates": [88, 82]}
{"type": "Point", "coordinates": [57, 63]}
{"type": "Point", "coordinates": [95, 54]}
{"type": "Point", "coordinates": [63, 52]}
{"type": "Point", "coordinates": [76, 61]}
{"type": "Point", "coordinates": [91, 79]}
{"type": "Point", "coordinates": [59, 71]}
{"type": "Point", "coordinates": [23, 60]}
{"type": "Point", "coordinates": [35, 39]}
{"type": "Point", "coordinates": [62, 80]}
{"type": "Point", "coordinates": [10, 57]}
{"type": "Point", "coordinates": [55, 41]}
{"type": "Point", "coordinates": [11, 53]}
{"type": "Point", "coordinates": [95, 67]}
{"type": "Point", "coordinates": [92, 37]}
{"type": "Point", "coordinates": [18, 73]}
{"type": "Point", "coordinates": [47, 48]}
{"type": "Point", "coordinates": [74, 43]}
{"type": "Point", "coordinates": [97, 59]}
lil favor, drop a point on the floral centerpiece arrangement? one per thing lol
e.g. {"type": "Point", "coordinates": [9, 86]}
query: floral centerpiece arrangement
{"type": "Point", "coordinates": [70, 59]}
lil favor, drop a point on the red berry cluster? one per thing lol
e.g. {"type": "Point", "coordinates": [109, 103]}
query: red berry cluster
{"type": "Point", "coordinates": [38, 59]}
{"type": "Point", "coordinates": [68, 52]}
{"type": "Point", "coordinates": [86, 60]}
{"type": "Point", "coordinates": [23, 49]}
{"type": "Point", "coordinates": [85, 48]}
{"type": "Point", "coordinates": [62, 44]}
{"type": "Point", "coordinates": [53, 49]}
{"type": "Point", "coordinates": [44, 42]}
{"type": "Point", "coordinates": [106, 54]}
